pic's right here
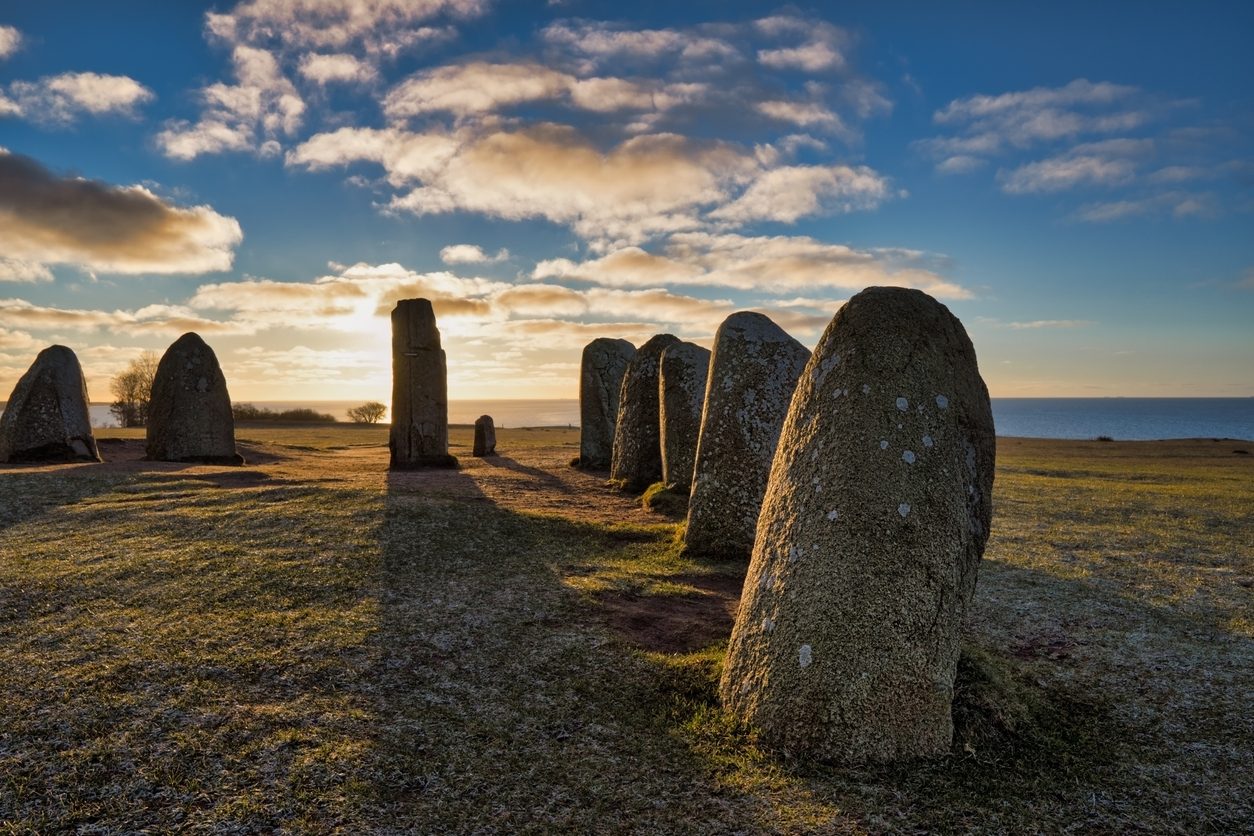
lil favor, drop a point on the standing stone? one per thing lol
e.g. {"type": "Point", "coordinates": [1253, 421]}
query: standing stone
{"type": "Point", "coordinates": [419, 435]}
{"type": "Point", "coordinates": [873, 526]}
{"type": "Point", "coordinates": [600, 384]}
{"type": "Point", "coordinates": [47, 417]}
{"type": "Point", "coordinates": [189, 413]}
{"type": "Point", "coordinates": [637, 459]}
{"type": "Point", "coordinates": [753, 372]}
{"type": "Point", "coordinates": [485, 437]}
{"type": "Point", "coordinates": [681, 390]}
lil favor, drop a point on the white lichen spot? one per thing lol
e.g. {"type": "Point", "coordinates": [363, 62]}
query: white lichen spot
{"type": "Point", "coordinates": [767, 625]}
{"type": "Point", "coordinates": [920, 407]}
{"type": "Point", "coordinates": [899, 426]}
{"type": "Point", "coordinates": [805, 656]}
{"type": "Point", "coordinates": [793, 554]}
{"type": "Point", "coordinates": [942, 401]}
{"type": "Point", "coordinates": [866, 389]}
{"type": "Point", "coordinates": [836, 394]}
{"type": "Point", "coordinates": [814, 456]}
{"type": "Point", "coordinates": [927, 441]}
{"type": "Point", "coordinates": [903, 508]}
{"type": "Point", "coordinates": [831, 515]}
{"type": "Point", "coordinates": [883, 445]}
{"type": "Point", "coordinates": [744, 689]}
{"type": "Point", "coordinates": [902, 404]}
{"type": "Point", "coordinates": [908, 456]}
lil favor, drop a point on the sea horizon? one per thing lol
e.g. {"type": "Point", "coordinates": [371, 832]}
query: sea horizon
{"type": "Point", "coordinates": [1118, 417]}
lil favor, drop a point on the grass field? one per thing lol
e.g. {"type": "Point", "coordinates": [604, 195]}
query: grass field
{"type": "Point", "coordinates": [309, 644]}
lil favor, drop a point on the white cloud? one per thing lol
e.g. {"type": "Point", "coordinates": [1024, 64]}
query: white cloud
{"type": "Point", "coordinates": [479, 88]}
{"type": "Point", "coordinates": [992, 124]}
{"type": "Point", "coordinates": [340, 67]}
{"type": "Point", "coordinates": [781, 264]}
{"type": "Point", "coordinates": [1108, 163]}
{"type": "Point", "coordinates": [151, 320]}
{"type": "Point", "coordinates": [1037, 323]}
{"type": "Point", "coordinates": [1178, 204]}
{"type": "Point", "coordinates": [599, 43]}
{"type": "Point", "coordinates": [960, 164]}
{"type": "Point", "coordinates": [48, 219]}
{"type": "Point", "coordinates": [255, 114]}
{"type": "Point", "coordinates": [375, 26]}
{"type": "Point", "coordinates": [791, 192]}
{"type": "Point", "coordinates": [19, 270]}
{"type": "Point", "coordinates": [470, 254]}
{"type": "Point", "coordinates": [823, 46]}
{"type": "Point", "coordinates": [645, 186]}
{"type": "Point", "coordinates": [10, 41]}
{"type": "Point", "coordinates": [60, 99]}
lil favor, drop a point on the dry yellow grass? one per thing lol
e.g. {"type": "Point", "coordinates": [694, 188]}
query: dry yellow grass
{"type": "Point", "coordinates": [308, 645]}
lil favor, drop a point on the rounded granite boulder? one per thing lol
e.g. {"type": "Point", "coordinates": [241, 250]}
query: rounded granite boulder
{"type": "Point", "coordinates": [189, 413]}
{"type": "Point", "coordinates": [681, 391]}
{"type": "Point", "coordinates": [47, 418]}
{"type": "Point", "coordinates": [601, 373]}
{"type": "Point", "coordinates": [753, 371]}
{"type": "Point", "coordinates": [874, 522]}
{"type": "Point", "coordinates": [637, 458]}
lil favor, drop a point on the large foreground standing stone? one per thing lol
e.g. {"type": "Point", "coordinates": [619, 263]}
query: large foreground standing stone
{"type": "Point", "coordinates": [681, 388]}
{"type": "Point", "coordinates": [878, 509]}
{"type": "Point", "coordinates": [485, 437]}
{"type": "Point", "coordinates": [637, 459]}
{"type": "Point", "coordinates": [600, 383]}
{"type": "Point", "coordinates": [189, 413]}
{"type": "Point", "coordinates": [753, 372]}
{"type": "Point", "coordinates": [419, 435]}
{"type": "Point", "coordinates": [47, 417]}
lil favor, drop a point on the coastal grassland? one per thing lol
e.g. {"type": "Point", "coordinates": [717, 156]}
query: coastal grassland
{"type": "Point", "coordinates": [183, 650]}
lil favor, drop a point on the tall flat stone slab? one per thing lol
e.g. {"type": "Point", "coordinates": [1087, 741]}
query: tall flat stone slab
{"type": "Point", "coordinates": [637, 458]}
{"type": "Point", "coordinates": [419, 436]}
{"type": "Point", "coordinates": [681, 390]}
{"type": "Point", "coordinates": [753, 371]}
{"type": "Point", "coordinates": [600, 384]}
{"type": "Point", "coordinates": [871, 533]}
{"type": "Point", "coordinates": [189, 413]}
{"type": "Point", "coordinates": [485, 437]}
{"type": "Point", "coordinates": [47, 418]}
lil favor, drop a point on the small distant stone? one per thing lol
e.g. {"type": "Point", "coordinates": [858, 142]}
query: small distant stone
{"type": "Point", "coordinates": [485, 437]}
{"type": "Point", "coordinates": [47, 417]}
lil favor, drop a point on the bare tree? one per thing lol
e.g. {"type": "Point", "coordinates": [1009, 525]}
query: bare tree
{"type": "Point", "coordinates": [371, 412]}
{"type": "Point", "coordinates": [132, 389]}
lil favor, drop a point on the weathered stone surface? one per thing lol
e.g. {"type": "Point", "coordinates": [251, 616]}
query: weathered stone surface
{"type": "Point", "coordinates": [189, 414]}
{"type": "Point", "coordinates": [485, 437]}
{"type": "Point", "coordinates": [600, 384]}
{"type": "Point", "coordinates": [753, 372]}
{"type": "Point", "coordinates": [637, 459]}
{"type": "Point", "coordinates": [419, 436]}
{"type": "Point", "coordinates": [681, 389]}
{"type": "Point", "coordinates": [872, 529]}
{"type": "Point", "coordinates": [46, 418]}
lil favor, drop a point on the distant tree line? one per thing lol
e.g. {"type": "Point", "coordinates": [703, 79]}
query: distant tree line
{"type": "Point", "coordinates": [248, 412]}
{"type": "Point", "coordinates": [132, 390]}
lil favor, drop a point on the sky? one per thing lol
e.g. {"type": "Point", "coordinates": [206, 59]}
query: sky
{"type": "Point", "coordinates": [1075, 181]}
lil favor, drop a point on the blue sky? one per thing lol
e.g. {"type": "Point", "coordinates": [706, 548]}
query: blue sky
{"type": "Point", "coordinates": [1074, 180]}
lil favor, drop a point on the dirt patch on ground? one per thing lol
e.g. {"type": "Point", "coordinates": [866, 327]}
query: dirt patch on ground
{"type": "Point", "coordinates": [676, 623]}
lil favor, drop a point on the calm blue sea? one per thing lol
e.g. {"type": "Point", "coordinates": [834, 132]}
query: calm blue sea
{"type": "Point", "coordinates": [1127, 419]}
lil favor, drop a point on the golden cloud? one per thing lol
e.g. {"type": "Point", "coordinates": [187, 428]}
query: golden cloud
{"type": "Point", "coordinates": [52, 219]}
